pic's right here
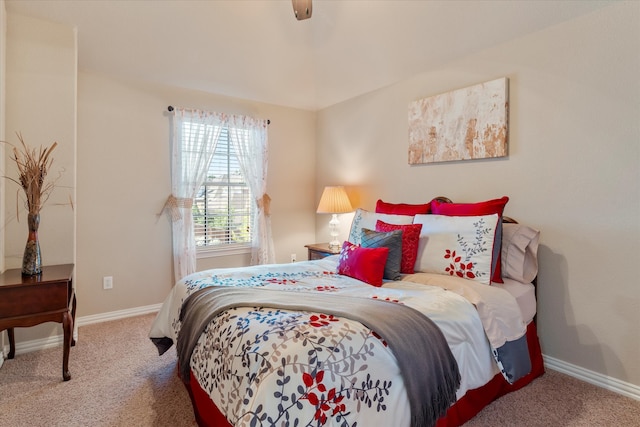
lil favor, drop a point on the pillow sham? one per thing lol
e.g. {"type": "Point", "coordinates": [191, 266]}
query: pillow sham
{"type": "Point", "coordinates": [402, 208]}
{"type": "Point", "coordinates": [520, 252]}
{"type": "Point", "coordinates": [366, 264]}
{"type": "Point", "coordinates": [457, 245]}
{"type": "Point", "coordinates": [366, 219]}
{"type": "Point", "coordinates": [494, 206]}
{"type": "Point", "coordinates": [410, 240]}
{"type": "Point", "coordinates": [391, 240]}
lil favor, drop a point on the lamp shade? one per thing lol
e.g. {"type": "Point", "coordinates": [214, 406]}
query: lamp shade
{"type": "Point", "coordinates": [334, 200]}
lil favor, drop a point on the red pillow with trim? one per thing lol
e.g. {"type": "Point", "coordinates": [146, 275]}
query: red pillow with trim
{"type": "Point", "coordinates": [402, 208]}
{"type": "Point", "coordinates": [489, 207]}
{"type": "Point", "coordinates": [410, 240]}
{"type": "Point", "coordinates": [366, 264]}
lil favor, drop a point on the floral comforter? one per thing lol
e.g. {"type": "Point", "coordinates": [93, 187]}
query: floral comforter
{"type": "Point", "coordinates": [264, 366]}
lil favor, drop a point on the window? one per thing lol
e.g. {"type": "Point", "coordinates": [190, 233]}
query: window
{"type": "Point", "coordinates": [222, 208]}
{"type": "Point", "coordinates": [231, 209]}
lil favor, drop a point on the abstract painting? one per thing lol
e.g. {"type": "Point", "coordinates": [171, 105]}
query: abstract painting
{"type": "Point", "coordinates": [463, 124]}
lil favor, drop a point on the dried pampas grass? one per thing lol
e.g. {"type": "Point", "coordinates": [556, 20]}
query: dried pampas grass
{"type": "Point", "coordinates": [33, 166]}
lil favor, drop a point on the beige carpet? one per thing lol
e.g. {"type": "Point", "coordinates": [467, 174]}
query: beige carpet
{"type": "Point", "coordinates": [118, 379]}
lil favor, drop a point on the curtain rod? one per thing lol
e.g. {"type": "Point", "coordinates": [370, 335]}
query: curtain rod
{"type": "Point", "coordinates": [170, 108]}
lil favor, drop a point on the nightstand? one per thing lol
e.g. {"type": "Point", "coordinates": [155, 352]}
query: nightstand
{"type": "Point", "coordinates": [30, 300]}
{"type": "Point", "coordinates": [320, 250]}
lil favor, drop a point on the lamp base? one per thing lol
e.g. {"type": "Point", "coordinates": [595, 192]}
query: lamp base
{"type": "Point", "coordinates": [335, 246]}
{"type": "Point", "coordinates": [334, 224]}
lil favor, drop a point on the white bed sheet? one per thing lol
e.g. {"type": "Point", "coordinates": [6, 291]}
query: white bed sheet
{"type": "Point", "coordinates": [525, 295]}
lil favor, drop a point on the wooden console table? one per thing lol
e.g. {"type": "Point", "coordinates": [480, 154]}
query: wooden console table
{"type": "Point", "coordinates": [30, 300]}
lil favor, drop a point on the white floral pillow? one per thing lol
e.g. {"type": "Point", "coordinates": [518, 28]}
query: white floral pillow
{"type": "Point", "coordinates": [457, 245]}
{"type": "Point", "coordinates": [365, 219]}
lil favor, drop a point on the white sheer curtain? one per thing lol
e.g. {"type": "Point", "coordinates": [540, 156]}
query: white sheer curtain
{"type": "Point", "coordinates": [195, 136]}
{"type": "Point", "coordinates": [249, 138]}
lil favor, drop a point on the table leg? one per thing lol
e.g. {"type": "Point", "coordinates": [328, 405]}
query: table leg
{"type": "Point", "coordinates": [67, 325]}
{"type": "Point", "coordinates": [73, 318]}
{"type": "Point", "coordinates": [12, 344]}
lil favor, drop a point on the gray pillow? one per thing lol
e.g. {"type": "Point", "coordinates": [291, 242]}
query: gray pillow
{"type": "Point", "coordinates": [391, 240]}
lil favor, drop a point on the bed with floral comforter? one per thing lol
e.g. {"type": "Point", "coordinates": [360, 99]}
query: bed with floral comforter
{"type": "Point", "coordinates": [268, 365]}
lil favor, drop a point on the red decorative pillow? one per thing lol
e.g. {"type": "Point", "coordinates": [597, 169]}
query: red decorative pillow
{"type": "Point", "coordinates": [366, 264]}
{"type": "Point", "coordinates": [410, 240]}
{"type": "Point", "coordinates": [490, 207]}
{"type": "Point", "coordinates": [402, 208]}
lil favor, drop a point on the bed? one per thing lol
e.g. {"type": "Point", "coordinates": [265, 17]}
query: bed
{"type": "Point", "coordinates": [425, 317]}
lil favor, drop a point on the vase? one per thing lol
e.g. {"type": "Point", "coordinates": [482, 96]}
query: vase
{"type": "Point", "coordinates": [32, 260]}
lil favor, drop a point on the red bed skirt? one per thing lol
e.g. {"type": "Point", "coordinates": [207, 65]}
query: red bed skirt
{"type": "Point", "coordinates": [465, 408]}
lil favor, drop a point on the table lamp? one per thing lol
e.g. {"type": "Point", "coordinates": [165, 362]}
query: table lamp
{"type": "Point", "coordinates": [334, 200]}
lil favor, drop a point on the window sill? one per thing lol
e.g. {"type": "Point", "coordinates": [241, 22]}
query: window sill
{"type": "Point", "coordinates": [216, 252]}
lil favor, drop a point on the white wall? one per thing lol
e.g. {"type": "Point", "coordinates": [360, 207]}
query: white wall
{"type": "Point", "coordinates": [41, 71]}
{"type": "Point", "coordinates": [3, 49]}
{"type": "Point", "coordinates": [123, 175]}
{"type": "Point", "coordinates": [124, 180]}
{"type": "Point", "coordinates": [573, 172]}
{"type": "Point", "coordinates": [3, 96]}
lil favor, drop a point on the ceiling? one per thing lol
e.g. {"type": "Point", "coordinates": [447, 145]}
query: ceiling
{"type": "Point", "coordinates": [257, 50]}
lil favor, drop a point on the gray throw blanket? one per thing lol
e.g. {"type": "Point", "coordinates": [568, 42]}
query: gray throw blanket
{"type": "Point", "coordinates": [428, 368]}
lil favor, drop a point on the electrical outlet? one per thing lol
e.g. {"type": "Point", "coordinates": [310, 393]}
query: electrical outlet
{"type": "Point", "coordinates": [293, 258]}
{"type": "Point", "coordinates": [107, 282]}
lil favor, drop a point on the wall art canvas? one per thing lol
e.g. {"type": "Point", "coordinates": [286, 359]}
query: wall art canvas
{"type": "Point", "coordinates": [464, 124]}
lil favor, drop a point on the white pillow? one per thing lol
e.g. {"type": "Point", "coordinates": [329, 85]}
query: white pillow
{"type": "Point", "coordinates": [457, 245]}
{"type": "Point", "coordinates": [519, 252]}
{"type": "Point", "coordinates": [365, 219]}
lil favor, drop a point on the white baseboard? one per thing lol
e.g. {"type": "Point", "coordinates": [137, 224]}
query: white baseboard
{"type": "Point", "coordinates": [55, 341]}
{"type": "Point", "coordinates": [591, 377]}
{"type": "Point", "coordinates": [115, 315]}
